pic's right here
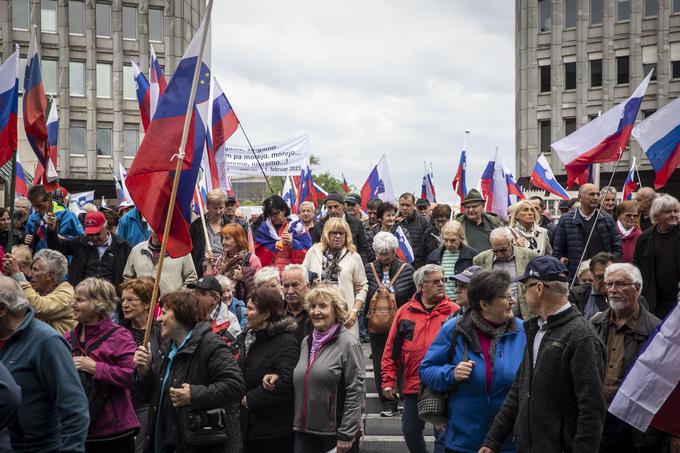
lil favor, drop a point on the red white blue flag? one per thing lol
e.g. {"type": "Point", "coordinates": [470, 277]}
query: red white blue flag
{"type": "Point", "coordinates": [345, 186]}
{"type": "Point", "coordinates": [9, 99]}
{"type": "Point", "coordinates": [459, 184]}
{"type": "Point", "coordinates": [543, 177]}
{"type": "Point", "coordinates": [404, 251]}
{"type": "Point", "coordinates": [157, 83]}
{"type": "Point", "coordinates": [20, 185]}
{"type": "Point", "coordinates": [143, 95]}
{"type": "Point", "coordinates": [223, 124]}
{"type": "Point", "coordinates": [377, 185]}
{"type": "Point", "coordinates": [427, 188]}
{"type": "Point", "coordinates": [513, 187]}
{"type": "Point", "coordinates": [268, 241]}
{"type": "Point", "coordinates": [630, 185]}
{"type": "Point", "coordinates": [50, 178]}
{"type": "Point", "coordinates": [35, 104]}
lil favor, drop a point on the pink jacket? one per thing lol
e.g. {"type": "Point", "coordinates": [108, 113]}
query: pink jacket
{"type": "Point", "coordinates": [114, 371]}
{"type": "Point", "coordinates": [628, 244]}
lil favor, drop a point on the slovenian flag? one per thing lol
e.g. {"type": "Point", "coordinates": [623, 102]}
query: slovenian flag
{"type": "Point", "coordinates": [377, 185]}
{"type": "Point", "coordinates": [345, 186]}
{"type": "Point", "coordinates": [288, 194]}
{"type": "Point", "coordinates": [9, 100]}
{"type": "Point", "coordinates": [157, 83]}
{"type": "Point", "coordinates": [543, 177]}
{"type": "Point", "coordinates": [20, 185]}
{"type": "Point", "coordinates": [603, 139]}
{"type": "Point", "coordinates": [35, 104]}
{"type": "Point", "coordinates": [404, 251]}
{"type": "Point", "coordinates": [268, 241]}
{"type": "Point", "coordinates": [459, 185]}
{"type": "Point", "coordinates": [513, 187]}
{"type": "Point", "coordinates": [427, 188]}
{"type": "Point", "coordinates": [143, 95]}
{"type": "Point", "coordinates": [629, 185]}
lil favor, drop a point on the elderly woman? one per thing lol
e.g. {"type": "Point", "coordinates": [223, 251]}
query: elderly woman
{"type": "Point", "coordinates": [280, 238]}
{"type": "Point", "coordinates": [415, 326]}
{"type": "Point", "coordinates": [454, 255]}
{"type": "Point", "coordinates": [387, 272]}
{"type": "Point", "coordinates": [525, 228]}
{"type": "Point", "coordinates": [627, 226]}
{"type": "Point", "coordinates": [608, 195]}
{"type": "Point", "coordinates": [336, 262]}
{"type": "Point", "coordinates": [431, 240]}
{"type": "Point", "coordinates": [236, 261]}
{"type": "Point", "coordinates": [236, 306]}
{"type": "Point", "coordinates": [268, 277]}
{"type": "Point", "coordinates": [196, 379]}
{"type": "Point", "coordinates": [103, 355]}
{"type": "Point", "coordinates": [488, 346]}
{"type": "Point", "coordinates": [329, 373]}
{"type": "Point", "coordinates": [387, 221]}
{"type": "Point", "coordinates": [136, 300]}
{"type": "Point", "coordinates": [268, 347]}
{"type": "Point", "coordinates": [49, 294]}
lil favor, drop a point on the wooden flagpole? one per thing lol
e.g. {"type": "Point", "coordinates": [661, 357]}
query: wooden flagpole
{"type": "Point", "coordinates": [178, 170]}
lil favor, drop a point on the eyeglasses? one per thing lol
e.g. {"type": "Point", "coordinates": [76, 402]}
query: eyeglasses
{"type": "Point", "coordinates": [436, 281]}
{"type": "Point", "coordinates": [130, 299]}
{"type": "Point", "coordinates": [337, 233]}
{"type": "Point", "coordinates": [617, 284]}
{"type": "Point", "coordinates": [632, 216]}
{"type": "Point", "coordinates": [506, 298]}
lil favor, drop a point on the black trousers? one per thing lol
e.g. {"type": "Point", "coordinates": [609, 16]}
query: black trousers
{"type": "Point", "coordinates": [617, 437]}
{"type": "Point", "coordinates": [122, 444]}
{"type": "Point", "coordinates": [378, 341]}
{"type": "Point", "coordinates": [283, 444]}
{"type": "Point", "coordinates": [315, 443]}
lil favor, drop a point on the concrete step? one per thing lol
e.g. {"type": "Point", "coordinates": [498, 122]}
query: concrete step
{"type": "Point", "coordinates": [370, 381]}
{"type": "Point", "coordinates": [375, 425]}
{"type": "Point", "coordinates": [389, 444]}
{"type": "Point", "coordinates": [373, 405]}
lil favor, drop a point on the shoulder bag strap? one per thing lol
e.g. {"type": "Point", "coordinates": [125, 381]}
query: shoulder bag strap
{"type": "Point", "coordinates": [452, 348]}
{"type": "Point", "coordinates": [98, 342]}
{"type": "Point", "coordinates": [396, 276]}
{"type": "Point", "coordinates": [375, 274]}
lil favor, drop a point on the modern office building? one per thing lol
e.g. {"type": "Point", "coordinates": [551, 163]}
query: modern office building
{"type": "Point", "coordinates": [577, 58]}
{"type": "Point", "coordinates": [86, 48]}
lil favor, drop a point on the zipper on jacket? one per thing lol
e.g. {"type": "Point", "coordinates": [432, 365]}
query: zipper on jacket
{"type": "Point", "coordinates": [303, 418]}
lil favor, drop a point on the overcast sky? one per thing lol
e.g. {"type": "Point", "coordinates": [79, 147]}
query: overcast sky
{"type": "Point", "coordinates": [363, 78]}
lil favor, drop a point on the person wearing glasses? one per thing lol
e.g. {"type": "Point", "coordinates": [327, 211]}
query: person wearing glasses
{"type": "Point", "coordinates": [556, 402]}
{"type": "Point", "coordinates": [504, 256]}
{"type": "Point", "coordinates": [624, 328]}
{"type": "Point", "coordinates": [489, 347]}
{"type": "Point", "coordinates": [477, 223]}
{"type": "Point", "coordinates": [627, 225]}
{"type": "Point", "coordinates": [336, 261]}
{"type": "Point", "coordinates": [415, 326]}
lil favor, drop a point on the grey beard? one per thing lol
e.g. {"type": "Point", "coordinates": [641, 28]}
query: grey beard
{"type": "Point", "coordinates": [617, 306]}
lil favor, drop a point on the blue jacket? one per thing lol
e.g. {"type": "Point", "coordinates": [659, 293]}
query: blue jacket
{"type": "Point", "coordinates": [471, 410]}
{"type": "Point", "coordinates": [238, 308]}
{"type": "Point", "coordinates": [132, 229]}
{"type": "Point", "coordinates": [68, 225]}
{"type": "Point", "coordinates": [54, 410]}
{"type": "Point", "coordinates": [10, 395]}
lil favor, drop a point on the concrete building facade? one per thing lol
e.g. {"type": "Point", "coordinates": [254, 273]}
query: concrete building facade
{"type": "Point", "coordinates": [577, 58]}
{"type": "Point", "coordinates": [86, 48]}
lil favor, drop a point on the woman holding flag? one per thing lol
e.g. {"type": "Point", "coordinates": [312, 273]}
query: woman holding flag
{"type": "Point", "coordinates": [280, 238]}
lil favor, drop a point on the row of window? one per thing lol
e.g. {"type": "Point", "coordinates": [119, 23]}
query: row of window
{"type": "Point", "coordinates": [76, 19]}
{"type": "Point", "coordinates": [78, 132]}
{"type": "Point", "coordinates": [651, 9]}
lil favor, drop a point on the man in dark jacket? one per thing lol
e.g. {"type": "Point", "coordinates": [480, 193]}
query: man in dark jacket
{"type": "Point", "coordinates": [644, 198]}
{"type": "Point", "coordinates": [574, 229]}
{"type": "Point", "coordinates": [477, 223]}
{"type": "Point", "coordinates": [10, 396]}
{"type": "Point", "coordinates": [592, 299]}
{"type": "Point", "coordinates": [335, 206]}
{"type": "Point", "coordinates": [415, 224]}
{"type": "Point", "coordinates": [556, 403]}
{"type": "Point", "coordinates": [97, 253]}
{"type": "Point", "coordinates": [295, 283]}
{"type": "Point", "coordinates": [53, 415]}
{"type": "Point", "coordinates": [624, 328]}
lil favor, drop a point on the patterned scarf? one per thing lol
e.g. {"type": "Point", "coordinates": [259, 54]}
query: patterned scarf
{"type": "Point", "coordinates": [319, 339]}
{"type": "Point", "coordinates": [493, 332]}
{"type": "Point", "coordinates": [529, 236]}
{"type": "Point", "coordinates": [330, 269]}
{"type": "Point", "coordinates": [249, 340]}
{"type": "Point", "coordinates": [227, 265]}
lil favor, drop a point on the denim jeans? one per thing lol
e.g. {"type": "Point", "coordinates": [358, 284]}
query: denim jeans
{"type": "Point", "coordinates": [412, 427]}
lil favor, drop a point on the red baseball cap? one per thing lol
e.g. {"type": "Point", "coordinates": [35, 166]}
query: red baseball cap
{"type": "Point", "coordinates": [94, 221]}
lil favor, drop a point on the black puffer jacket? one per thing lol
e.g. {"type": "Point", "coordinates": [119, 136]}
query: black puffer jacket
{"type": "Point", "coordinates": [404, 287]}
{"type": "Point", "coordinates": [358, 236]}
{"type": "Point", "coordinates": [416, 226]}
{"type": "Point", "coordinates": [216, 381]}
{"type": "Point", "coordinates": [275, 351]}
{"type": "Point", "coordinates": [430, 240]}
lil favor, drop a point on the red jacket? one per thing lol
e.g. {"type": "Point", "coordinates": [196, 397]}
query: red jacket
{"type": "Point", "coordinates": [628, 244]}
{"type": "Point", "coordinates": [411, 334]}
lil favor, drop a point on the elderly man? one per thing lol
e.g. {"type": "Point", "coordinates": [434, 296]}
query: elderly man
{"type": "Point", "coordinates": [372, 214]}
{"type": "Point", "coordinates": [424, 208]}
{"type": "Point", "coordinates": [624, 328]}
{"type": "Point", "coordinates": [462, 285]}
{"type": "Point", "coordinates": [306, 214]}
{"type": "Point", "coordinates": [98, 253]}
{"type": "Point", "coordinates": [295, 282]}
{"type": "Point", "coordinates": [591, 299]}
{"type": "Point", "coordinates": [48, 293]}
{"type": "Point", "coordinates": [571, 243]}
{"type": "Point", "coordinates": [334, 204]}
{"type": "Point", "coordinates": [415, 326]}
{"type": "Point", "coordinates": [657, 256]}
{"type": "Point", "coordinates": [353, 206]}
{"type": "Point", "coordinates": [644, 198]}
{"type": "Point", "coordinates": [477, 223]}
{"type": "Point", "coordinates": [415, 224]}
{"type": "Point", "coordinates": [556, 403]}
{"type": "Point", "coordinates": [505, 256]}
{"type": "Point", "coordinates": [54, 409]}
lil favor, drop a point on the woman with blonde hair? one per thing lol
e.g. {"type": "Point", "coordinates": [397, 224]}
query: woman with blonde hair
{"type": "Point", "coordinates": [524, 225]}
{"type": "Point", "coordinates": [337, 263]}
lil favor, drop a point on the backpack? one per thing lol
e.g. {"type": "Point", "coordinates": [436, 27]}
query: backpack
{"type": "Point", "coordinates": [383, 304]}
{"type": "Point", "coordinates": [97, 394]}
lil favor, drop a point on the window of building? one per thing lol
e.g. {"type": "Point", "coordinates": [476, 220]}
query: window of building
{"type": "Point", "coordinates": [20, 14]}
{"type": "Point", "coordinates": [130, 140]}
{"type": "Point", "coordinates": [76, 17]}
{"type": "Point", "coordinates": [595, 73]}
{"type": "Point", "coordinates": [129, 22]}
{"type": "Point", "coordinates": [155, 25]}
{"type": "Point", "coordinates": [48, 16]}
{"type": "Point", "coordinates": [648, 67]}
{"type": "Point", "coordinates": [569, 126]}
{"type": "Point", "coordinates": [676, 6]}
{"type": "Point", "coordinates": [104, 139]}
{"type": "Point", "coordinates": [675, 69]}
{"type": "Point", "coordinates": [570, 76]}
{"type": "Point", "coordinates": [544, 136]}
{"type": "Point", "coordinates": [569, 13]}
{"type": "Point", "coordinates": [647, 113]}
{"type": "Point", "coordinates": [623, 10]}
{"type": "Point", "coordinates": [544, 15]}
{"type": "Point", "coordinates": [77, 138]}
{"type": "Point", "coordinates": [103, 24]}
{"type": "Point", "coordinates": [103, 80]}
{"type": "Point", "coordinates": [50, 76]}
{"type": "Point", "coordinates": [129, 88]}
{"type": "Point", "coordinates": [76, 78]}
{"type": "Point", "coordinates": [649, 60]}
{"type": "Point", "coordinates": [651, 8]}
{"type": "Point", "coordinates": [545, 78]}
{"type": "Point", "coordinates": [622, 70]}
{"type": "Point", "coordinates": [595, 12]}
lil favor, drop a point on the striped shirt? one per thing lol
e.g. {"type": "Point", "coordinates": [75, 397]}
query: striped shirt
{"type": "Point", "coordinates": [449, 260]}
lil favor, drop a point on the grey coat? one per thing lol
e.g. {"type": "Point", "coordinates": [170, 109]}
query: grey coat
{"type": "Point", "coordinates": [328, 395]}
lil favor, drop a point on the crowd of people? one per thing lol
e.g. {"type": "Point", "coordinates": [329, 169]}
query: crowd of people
{"type": "Point", "coordinates": [525, 327]}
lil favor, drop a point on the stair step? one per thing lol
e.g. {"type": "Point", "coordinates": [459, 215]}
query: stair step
{"type": "Point", "coordinates": [373, 404]}
{"type": "Point", "coordinates": [375, 425]}
{"type": "Point", "coordinates": [389, 444]}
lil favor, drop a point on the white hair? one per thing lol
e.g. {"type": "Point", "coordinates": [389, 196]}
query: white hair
{"type": "Point", "coordinates": [265, 274]}
{"type": "Point", "coordinates": [660, 204]}
{"type": "Point", "coordinates": [54, 262]}
{"type": "Point", "coordinates": [630, 270]}
{"type": "Point", "coordinates": [420, 274]}
{"type": "Point", "coordinates": [12, 296]}
{"type": "Point", "coordinates": [501, 233]}
{"type": "Point", "coordinates": [298, 267]}
{"type": "Point", "coordinates": [385, 242]}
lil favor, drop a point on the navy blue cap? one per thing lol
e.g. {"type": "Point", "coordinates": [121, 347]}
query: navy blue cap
{"type": "Point", "coordinates": [467, 274]}
{"type": "Point", "coordinates": [353, 199]}
{"type": "Point", "coordinates": [545, 268]}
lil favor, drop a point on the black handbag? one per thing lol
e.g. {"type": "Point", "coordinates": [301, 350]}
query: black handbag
{"type": "Point", "coordinates": [431, 404]}
{"type": "Point", "coordinates": [204, 427]}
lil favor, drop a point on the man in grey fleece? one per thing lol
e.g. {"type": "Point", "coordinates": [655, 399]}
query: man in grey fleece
{"type": "Point", "coordinates": [556, 403]}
